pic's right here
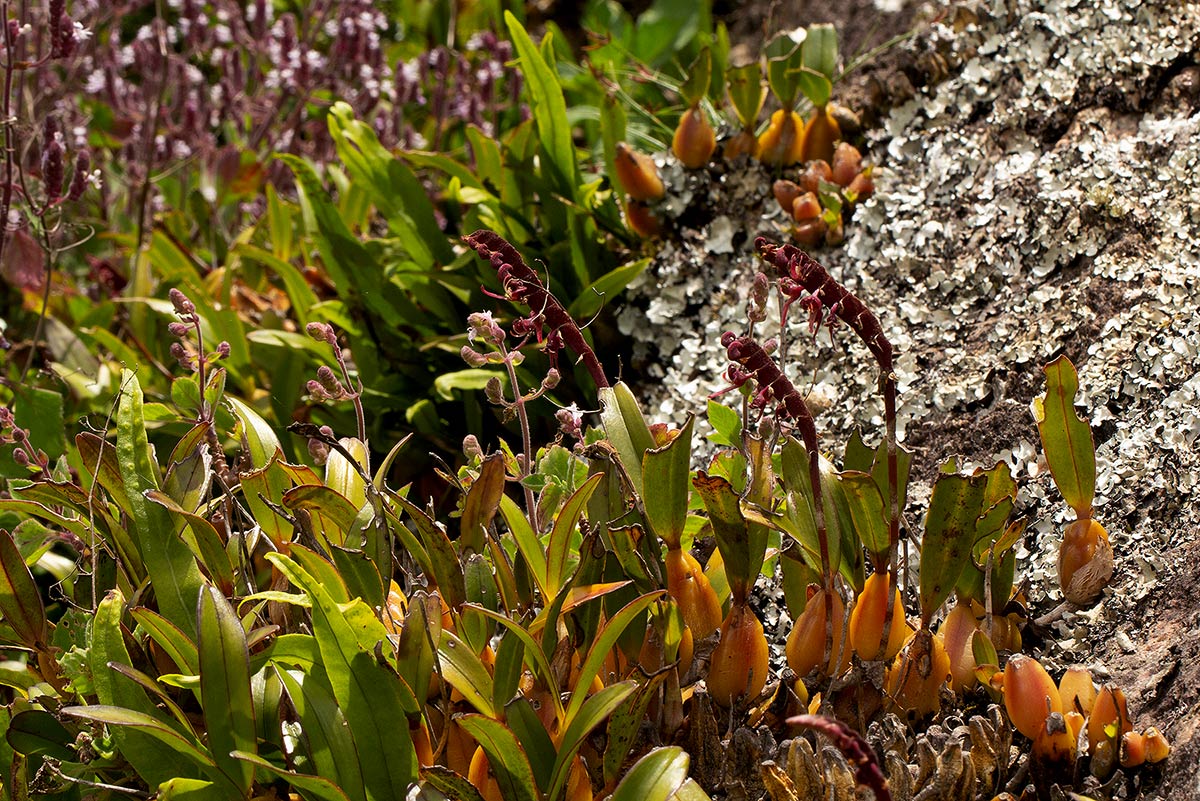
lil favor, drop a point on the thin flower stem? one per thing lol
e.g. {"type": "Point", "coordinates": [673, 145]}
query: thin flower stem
{"type": "Point", "coordinates": [526, 439]}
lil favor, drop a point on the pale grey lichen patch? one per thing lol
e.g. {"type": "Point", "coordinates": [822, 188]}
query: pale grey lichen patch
{"type": "Point", "coordinates": [1043, 199]}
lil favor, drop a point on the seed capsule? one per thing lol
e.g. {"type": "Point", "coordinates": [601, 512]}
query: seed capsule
{"type": "Point", "coordinates": [1029, 694]}
{"type": "Point", "coordinates": [738, 668]}
{"type": "Point", "coordinates": [786, 193]}
{"type": "Point", "coordinates": [694, 140]}
{"type": "Point", "coordinates": [637, 174]}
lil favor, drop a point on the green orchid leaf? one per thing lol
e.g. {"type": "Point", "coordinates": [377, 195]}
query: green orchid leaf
{"type": "Point", "coordinates": [225, 684]}
{"type": "Point", "coordinates": [1067, 439]}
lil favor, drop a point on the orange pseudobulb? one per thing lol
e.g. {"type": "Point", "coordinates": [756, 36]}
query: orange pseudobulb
{"type": "Point", "coordinates": [738, 668]}
{"type": "Point", "coordinates": [694, 140]}
{"type": "Point", "coordinates": [958, 630]}
{"type": "Point", "coordinates": [915, 679]}
{"type": "Point", "coordinates": [805, 647]}
{"type": "Point", "coordinates": [1030, 695]}
{"type": "Point", "coordinates": [691, 589]}
{"type": "Point", "coordinates": [744, 143]}
{"type": "Point", "coordinates": [820, 132]}
{"type": "Point", "coordinates": [866, 620]}
{"type": "Point", "coordinates": [637, 174]}
{"type": "Point", "coordinates": [1085, 563]}
{"type": "Point", "coordinates": [780, 143]}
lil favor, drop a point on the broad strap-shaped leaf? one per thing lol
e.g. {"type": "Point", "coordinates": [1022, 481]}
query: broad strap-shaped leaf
{"type": "Point", "coordinates": [565, 525]}
{"type": "Point", "coordinates": [950, 525]}
{"type": "Point", "coordinates": [606, 640]}
{"type": "Point", "coordinates": [330, 742]}
{"type": "Point", "coordinates": [311, 788]}
{"type": "Point", "coordinates": [201, 537]}
{"type": "Point", "coordinates": [465, 672]}
{"type": "Point", "coordinates": [528, 544]}
{"type": "Point", "coordinates": [192, 753]}
{"type": "Point", "coordinates": [332, 513]}
{"type": "Point", "coordinates": [657, 776]}
{"type": "Point", "coordinates": [152, 760]}
{"type": "Point", "coordinates": [627, 431]}
{"type": "Point", "coordinates": [189, 790]}
{"type": "Point", "coordinates": [729, 527]}
{"type": "Point", "coordinates": [819, 57]}
{"type": "Point", "coordinates": [225, 682]}
{"type": "Point", "coordinates": [1066, 439]}
{"type": "Point", "coordinates": [20, 601]}
{"type": "Point", "coordinates": [259, 435]}
{"type": "Point", "coordinates": [606, 287]}
{"type": "Point", "coordinates": [867, 512]}
{"type": "Point", "coordinates": [549, 110]}
{"type": "Point", "coordinates": [506, 756]}
{"type": "Point", "coordinates": [666, 474]}
{"type": "Point", "coordinates": [591, 715]}
{"type": "Point", "coordinates": [416, 652]}
{"type": "Point", "coordinates": [443, 563]}
{"type": "Point", "coordinates": [797, 481]}
{"type": "Point", "coordinates": [481, 503]}
{"type": "Point", "coordinates": [169, 562]}
{"type": "Point", "coordinates": [35, 732]}
{"type": "Point", "coordinates": [532, 651]}
{"type": "Point", "coordinates": [625, 724]}
{"type": "Point", "coordinates": [374, 699]}
{"type": "Point", "coordinates": [445, 784]}
{"type": "Point", "coordinates": [531, 732]}
{"type": "Point", "coordinates": [264, 488]}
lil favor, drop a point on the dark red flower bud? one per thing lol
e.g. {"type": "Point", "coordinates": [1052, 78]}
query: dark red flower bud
{"type": "Point", "coordinates": [52, 169]}
{"type": "Point", "coordinates": [79, 181]}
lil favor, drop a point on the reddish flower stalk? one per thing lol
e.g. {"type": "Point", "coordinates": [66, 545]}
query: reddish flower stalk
{"type": "Point", "coordinates": [522, 285]}
{"type": "Point", "coordinates": [858, 752]}
{"type": "Point", "coordinates": [794, 264]}
{"type": "Point", "coordinates": [758, 364]}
